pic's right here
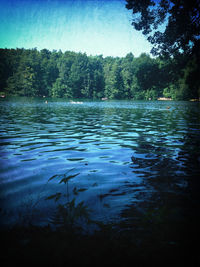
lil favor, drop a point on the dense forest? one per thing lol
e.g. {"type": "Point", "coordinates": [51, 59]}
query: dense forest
{"type": "Point", "coordinates": [75, 75]}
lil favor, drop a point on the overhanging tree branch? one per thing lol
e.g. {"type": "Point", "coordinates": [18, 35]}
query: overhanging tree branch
{"type": "Point", "coordinates": [171, 26]}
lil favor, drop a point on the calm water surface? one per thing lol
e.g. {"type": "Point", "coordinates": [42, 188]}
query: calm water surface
{"type": "Point", "coordinates": [120, 151]}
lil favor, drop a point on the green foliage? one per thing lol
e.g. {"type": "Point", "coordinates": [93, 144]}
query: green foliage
{"type": "Point", "coordinates": [60, 89]}
{"type": "Point", "coordinates": [151, 94]}
{"type": "Point", "coordinates": [172, 27]}
{"type": "Point", "coordinates": [170, 92]}
{"type": "Point", "coordinates": [66, 179]}
{"type": "Point", "coordinates": [69, 215]}
{"type": "Point", "coordinates": [56, 197]}
{"type": "Point", "coordinates": [76, 75]}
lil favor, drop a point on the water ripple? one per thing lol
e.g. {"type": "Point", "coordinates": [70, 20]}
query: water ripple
{"type": "Point", "coordinates": [120, 146]}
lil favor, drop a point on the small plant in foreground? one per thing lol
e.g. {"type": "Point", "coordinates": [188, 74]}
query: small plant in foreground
{"type": "Point", "coordinates": [68, 215]}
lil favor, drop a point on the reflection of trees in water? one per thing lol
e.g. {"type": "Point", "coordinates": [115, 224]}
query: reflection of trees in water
{"type": "Point", "coordinates": [190, 158]}
{"type": "Point", "coordinates": [167, 214]}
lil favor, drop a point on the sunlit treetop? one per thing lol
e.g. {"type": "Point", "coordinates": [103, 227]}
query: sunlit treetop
{"type": "Point", "coordinates": [173, 27]}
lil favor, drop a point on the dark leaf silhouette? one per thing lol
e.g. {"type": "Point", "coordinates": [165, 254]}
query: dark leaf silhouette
{"type": "Point", "coordinates": [58, 175]}
{"type": "Point", "coordinates": [76, 191]}
{"type": "Point", "coordinates": [54, 176]}
{"type": "Point", "coordinates": [82, 189]}
{"type": "Point", "coordinates": [54, 196]}
{"type": "Point", "coordinates": [66, 179]}
{"type": "Point", "coordinates": [70, 215]}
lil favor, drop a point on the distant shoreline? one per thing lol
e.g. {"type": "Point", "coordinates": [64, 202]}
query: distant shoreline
{"type": "Point", "coordinates": [76, 101]}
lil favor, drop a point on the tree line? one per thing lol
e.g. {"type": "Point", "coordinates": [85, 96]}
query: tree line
{"type": "Point", "coordinates": [29, 72]}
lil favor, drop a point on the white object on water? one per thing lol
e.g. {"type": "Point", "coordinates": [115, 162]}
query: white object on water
{"type": "Point", "coordinates": [76, 102]}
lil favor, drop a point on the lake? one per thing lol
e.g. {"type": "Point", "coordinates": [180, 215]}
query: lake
{"type": "Point", "coordinates": [117, 153]}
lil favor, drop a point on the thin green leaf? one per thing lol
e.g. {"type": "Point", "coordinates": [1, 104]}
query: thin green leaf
{"type": "Point", "coordinates": [57, 175]}
{"type": "Point", "coordinates": [82, 189]}
{"type": "Point", "coordinates": [66, 179]}
{"type": "Point", "coordinates": [55, 196]}
{"type": "Point", "coordinates": [54, 176]}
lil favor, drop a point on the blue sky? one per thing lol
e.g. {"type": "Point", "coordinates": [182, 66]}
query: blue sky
{"type": "Point", "coordinates": [92, 26]}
